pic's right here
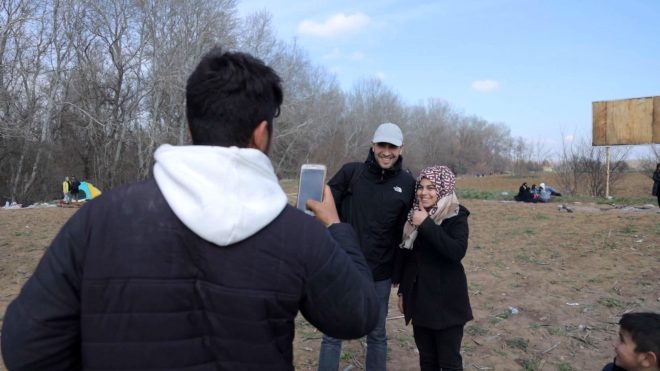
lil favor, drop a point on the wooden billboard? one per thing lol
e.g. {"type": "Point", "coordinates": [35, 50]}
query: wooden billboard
{"type": "Point", "coordinates": [626, 121]}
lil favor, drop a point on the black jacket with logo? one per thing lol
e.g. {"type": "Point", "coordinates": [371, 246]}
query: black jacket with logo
{"type": "Point", "coordinates": [375, 201]}
{"type": "Point", "coordinates": [126, 285]}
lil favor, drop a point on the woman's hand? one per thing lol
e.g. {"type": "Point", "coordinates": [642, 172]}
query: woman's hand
{"type": "Point", "coordinates": [419, 216]}
{"type": "Point", "coordinates": [400, 304]}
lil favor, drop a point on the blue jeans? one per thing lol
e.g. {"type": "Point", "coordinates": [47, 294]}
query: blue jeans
{"type": "Point", "coordinates": [376, 340]}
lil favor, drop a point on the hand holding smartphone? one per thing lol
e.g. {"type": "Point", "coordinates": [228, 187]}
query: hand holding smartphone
{"type": "Point", "coordinates": [312, 182]}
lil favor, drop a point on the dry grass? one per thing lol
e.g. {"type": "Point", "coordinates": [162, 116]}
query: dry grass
{"type": "Point", "coordinates": [569, 275]}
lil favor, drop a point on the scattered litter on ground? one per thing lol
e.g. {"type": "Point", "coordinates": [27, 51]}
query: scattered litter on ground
{"type": "Point", "coordinates": [565, 208]}
{"type": "Point", "coordinates": [40, 205]}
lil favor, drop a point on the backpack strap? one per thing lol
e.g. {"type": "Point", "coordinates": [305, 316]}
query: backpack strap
{"type": "Point", "coordinates": [357, 171]}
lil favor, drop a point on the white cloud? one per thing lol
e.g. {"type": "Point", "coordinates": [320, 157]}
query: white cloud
{"type": "Point", "coordinates": [485, 86]}
{"type": "Point", "coordinates": [356, 56]}
{"type": "Point", "coordinates": [336, 25]}
{"type": "Point", "coordinates": [569, 138]}
{"type": "Point", "coordinates": [380, 75]}
{"type": "Point", "coordinates": [334, 54]}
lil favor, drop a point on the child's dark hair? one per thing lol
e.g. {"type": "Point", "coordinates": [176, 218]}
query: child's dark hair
{"type": "Point", "coordinates": [644, 329]}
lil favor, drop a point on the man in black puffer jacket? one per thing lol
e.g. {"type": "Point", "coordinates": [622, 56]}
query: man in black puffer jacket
{"type": "Point", "coordinates": [374, 197]}
{"type": "Point", "coordinates": [204, 267]}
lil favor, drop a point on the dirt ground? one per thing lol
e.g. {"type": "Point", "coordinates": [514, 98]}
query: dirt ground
{"type": "Point", "coordinates": [547, 286]}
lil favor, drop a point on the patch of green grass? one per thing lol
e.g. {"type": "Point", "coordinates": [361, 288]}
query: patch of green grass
{"type": "Point", "coordinates": [475, 286]}
{"type": "Point", "coordinates": [306, 335]}
{"type": "Point", "coordinates": [644, 283]}
{"type": "Point", "coordinates": [347, 356]}
{"type": "Point", "coordinates": [500, 352]}
{"type": "Point", "coordinates": [557, 331]}
{"type": "Point", "coordinates": [564, 367]}
{"type": "Point", "coordinates": [539, 216]}
{"type": "Point", "coordinates": [535, 325]}
{"type": "Point", "coordinates": [503, 315]}
{"type": "Point", "coordinates": [611, 302]}
{"type": "Point", "coordinates": [517, 343]}
{"type": "Point", "coordinates": [476, 330]}
{"type": "Point", "coordinates": [529, 231]}
{"type": "Point", "coordinates": [629, 229]}
{"type": "Point", "coordinates": [523, 258]}
{"type": "Point", "coordinates": [500, 264]}
{"type": "Point", "coordinates": [530, 364]}
{"type": "Point", "coordinates": [472, 194]}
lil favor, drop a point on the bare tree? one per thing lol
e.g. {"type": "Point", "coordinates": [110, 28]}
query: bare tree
{"type": "Point", "coordinates": [583, 168]}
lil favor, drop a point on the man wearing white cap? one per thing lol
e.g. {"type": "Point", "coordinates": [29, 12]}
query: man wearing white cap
{"type": "Point", "coordinates": [374, 197]}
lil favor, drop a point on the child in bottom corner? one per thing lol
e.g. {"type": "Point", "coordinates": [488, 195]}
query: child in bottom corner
{"type": "Point", "coordinates": [638, 343]}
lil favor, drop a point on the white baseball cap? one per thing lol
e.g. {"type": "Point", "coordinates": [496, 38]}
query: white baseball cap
{"type": "Point", "coordinates": [388, 133]}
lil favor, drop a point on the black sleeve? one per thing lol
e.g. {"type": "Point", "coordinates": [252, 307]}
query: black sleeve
{"type": "Point", "coordinates": [399, 254]}
{"type": "Point", "coordinates": [451, 244]}
{"type": "Point", "coordinates": [339, 185]}
{"type": "Point", "coordinates": [613, 367]}
{"type": "Point", "coordinates": [656, 176]}
{"type": "Point", "coordinates": [41, 327]}
{"type": "Point", "coordinates": [340, 299]}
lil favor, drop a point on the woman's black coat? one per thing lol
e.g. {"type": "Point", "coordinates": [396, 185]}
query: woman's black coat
{"type": "Point", "coordinates": [434, 286]}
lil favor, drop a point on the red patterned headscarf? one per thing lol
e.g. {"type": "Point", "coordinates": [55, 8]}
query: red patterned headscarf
{"type": "Point", "coordinates": [447, 205]}
{"type": "Point", "coordinates": [444, 181]}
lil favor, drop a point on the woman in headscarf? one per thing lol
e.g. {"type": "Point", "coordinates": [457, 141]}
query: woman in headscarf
{"type": "Point", "coordinates": [433, 290]}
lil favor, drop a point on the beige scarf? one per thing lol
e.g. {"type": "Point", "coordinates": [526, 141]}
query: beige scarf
{"type": "Point", "coordinates": [447, 207]}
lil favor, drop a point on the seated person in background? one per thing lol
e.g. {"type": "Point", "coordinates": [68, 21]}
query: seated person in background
{"type": "Point", "coordinates": [534, 189]}
{"type": "Point", "coordinates": [638, 343]}
{"type": "Point", "coordinates": [524, 193]}
{"type": "Point", "coordinates": [546, 192]}
{"type": "Point", "coordinates": [553, 192]}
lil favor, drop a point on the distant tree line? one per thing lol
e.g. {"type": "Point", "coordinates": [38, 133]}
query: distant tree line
{"type": "Point", "coordinates": [92, 87]}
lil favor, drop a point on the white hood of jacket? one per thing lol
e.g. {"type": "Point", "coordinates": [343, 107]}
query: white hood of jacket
{"type": "Point", "coordinates": [223, 194]}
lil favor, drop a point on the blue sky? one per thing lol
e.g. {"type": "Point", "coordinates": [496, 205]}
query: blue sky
{"type": "Point", "coordinates": [535, 66]}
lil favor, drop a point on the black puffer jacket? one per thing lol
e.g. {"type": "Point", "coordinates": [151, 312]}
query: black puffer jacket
{"type": "Point", "coordinates": [376, 205]}
{"type": "Point", "coordinates": [125, 285]}
{"type": "Point", "coordinates": [434, 286]}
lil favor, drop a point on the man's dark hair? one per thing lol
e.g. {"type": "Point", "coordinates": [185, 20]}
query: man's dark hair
{"type": "Point", "coordinates": [228, 95]}
{"type": "Point", "coordinates": [644, 329]}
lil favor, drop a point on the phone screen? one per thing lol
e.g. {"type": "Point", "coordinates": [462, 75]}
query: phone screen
{"type": "Point", "coordinates": [312, 181]}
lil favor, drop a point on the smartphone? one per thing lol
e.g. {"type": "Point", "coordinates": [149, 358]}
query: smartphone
{"type": "Point", "coordinates": [312, 182]}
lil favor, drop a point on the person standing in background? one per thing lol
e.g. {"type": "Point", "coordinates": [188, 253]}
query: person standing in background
{"type": "Point", "coordinates": [75, 188]}
{"type": "Point", "coordinates": [66, 190]}
{"type": "Point", "coordinates": [656, 183]}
